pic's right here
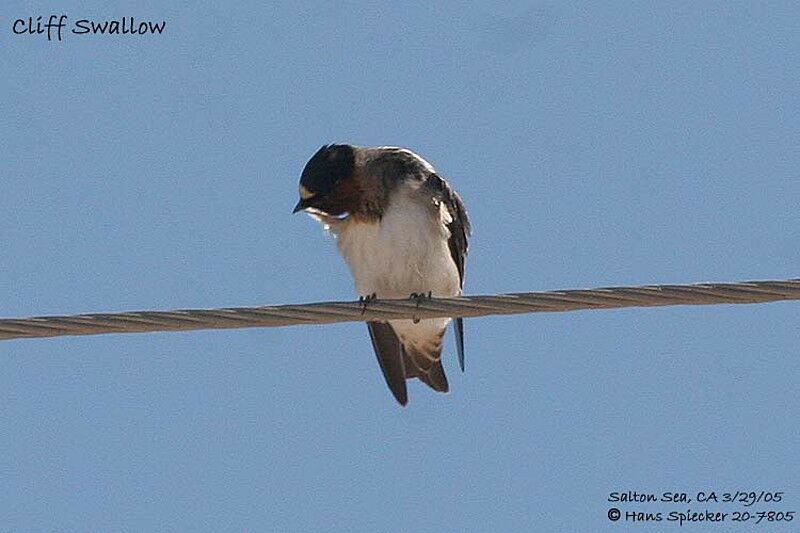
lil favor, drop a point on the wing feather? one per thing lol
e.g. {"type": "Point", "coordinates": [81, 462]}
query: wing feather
{"type": "Point", "coordinates": [389, 352]}
{"type": "Point", "coordinates": [459, 228]}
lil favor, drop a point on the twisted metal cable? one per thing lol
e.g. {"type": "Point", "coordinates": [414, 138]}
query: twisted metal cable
{"type": "Point", "coordinates": [749, 292]}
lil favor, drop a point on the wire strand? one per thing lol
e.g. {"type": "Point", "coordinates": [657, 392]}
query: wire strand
{"type": "Point", "coordinates": [748, 292]}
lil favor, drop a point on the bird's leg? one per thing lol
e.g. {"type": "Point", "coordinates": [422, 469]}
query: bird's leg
{"type": "Point", "coordinates": [365, 301]}
{"type": "Point", "coordinates": [418, 297]}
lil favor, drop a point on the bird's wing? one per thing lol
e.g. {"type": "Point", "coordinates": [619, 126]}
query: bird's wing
{"type": "Point", "coordinates": [459, 228]}
{"type": "Point", "coordinates": [459, 222]}
{"type": "Point", "coordinates": [458, 328]}
{"type": "Point", "coordinates": [389, 352]}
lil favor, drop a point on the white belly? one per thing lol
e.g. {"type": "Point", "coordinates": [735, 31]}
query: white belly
{"type": "Point", "coordinates": [406, 252]}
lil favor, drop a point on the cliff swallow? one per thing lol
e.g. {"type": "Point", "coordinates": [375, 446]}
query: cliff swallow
{"type": "Point", "coordinates": [402, 232]}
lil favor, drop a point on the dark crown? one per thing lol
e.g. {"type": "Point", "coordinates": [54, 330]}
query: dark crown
{"type": "Point", "coordinates": [331, 164]}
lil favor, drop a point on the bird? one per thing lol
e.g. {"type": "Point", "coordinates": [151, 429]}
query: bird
{"type": "Point", "coordinates": [402, 231]}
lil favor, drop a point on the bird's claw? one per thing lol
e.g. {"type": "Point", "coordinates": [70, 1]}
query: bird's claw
{"type": "Point", "coordinates": [365, 301]}
{"type": "Point", "coordinates": [418, 297]}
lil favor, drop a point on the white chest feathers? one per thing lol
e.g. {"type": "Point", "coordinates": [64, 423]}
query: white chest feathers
{"type": "Point", "coordinates": [406, 252]}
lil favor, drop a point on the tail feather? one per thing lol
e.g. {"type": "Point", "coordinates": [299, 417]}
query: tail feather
{"type": "Point", "coordinates": [401, 358]}
{"type": "Point", "coordinates": [436, 378]}
{"type": "Point", "coordinates": [426, 366]}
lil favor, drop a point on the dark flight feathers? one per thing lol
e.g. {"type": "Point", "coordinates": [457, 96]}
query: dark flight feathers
{"type": "Point", "coordinates": [459, 229]}
{"type": "Point", "coordinates": [398, 364]}
{"type": "Point", "coordinates": [390, 356]}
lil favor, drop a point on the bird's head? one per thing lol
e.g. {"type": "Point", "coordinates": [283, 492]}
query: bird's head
{"type": "Point", "coordinates": [327, 184]}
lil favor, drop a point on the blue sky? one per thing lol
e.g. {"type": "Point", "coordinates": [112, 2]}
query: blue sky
{"type": "Point", "coordinates": [594, 144]}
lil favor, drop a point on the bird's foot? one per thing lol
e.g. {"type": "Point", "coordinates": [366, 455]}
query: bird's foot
{"type": "Point", "coordinates": [366, 300]}
{"type": "Point", "coordinates": [418, 297]}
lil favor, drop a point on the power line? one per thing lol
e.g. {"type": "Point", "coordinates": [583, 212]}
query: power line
{"type": "Point", "coordinates": [749, 292]}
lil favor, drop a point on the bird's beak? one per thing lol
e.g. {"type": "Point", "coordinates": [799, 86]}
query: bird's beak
{"type": "Point", "coordinates": [301, 205]}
